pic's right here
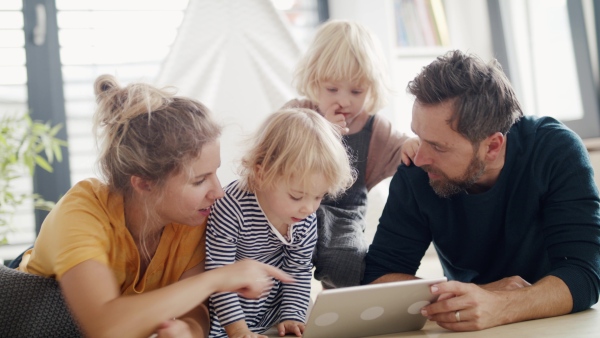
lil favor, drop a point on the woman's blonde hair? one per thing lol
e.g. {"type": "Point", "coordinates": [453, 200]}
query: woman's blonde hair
{"type": "Point", "coordinates": [344, 51]}
{"type": "Point", "coordinates": [294, 144]}
{"type": "Point", "coordinates": [147, 132]}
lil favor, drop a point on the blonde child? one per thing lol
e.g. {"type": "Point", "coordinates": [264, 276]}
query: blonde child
{"type": "Point", "coordinates": [128, 250]}
{"type": "Point", "coordinates": [296, 159]}
{"type": "Point", "coordinates": [344, 78]}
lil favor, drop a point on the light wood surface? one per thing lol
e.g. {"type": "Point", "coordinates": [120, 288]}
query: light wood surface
{"type": "Point", "coordinates": [581, 325]}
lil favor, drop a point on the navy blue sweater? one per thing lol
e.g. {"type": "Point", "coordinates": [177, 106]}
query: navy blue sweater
{"type": "Point", "coordinates": [542, 217]}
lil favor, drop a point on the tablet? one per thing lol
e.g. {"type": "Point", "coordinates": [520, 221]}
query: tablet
{"type": "Point", "coordinates": [370, 310]}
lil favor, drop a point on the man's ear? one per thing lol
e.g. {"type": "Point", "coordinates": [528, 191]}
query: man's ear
{"type": "Point", "coordinates": [140, 185]}
{"type": "Point", "coordinates": [494, 145]}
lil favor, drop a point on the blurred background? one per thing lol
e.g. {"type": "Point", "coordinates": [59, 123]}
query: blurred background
{"type": "Point", "coordinates": [237, 57]}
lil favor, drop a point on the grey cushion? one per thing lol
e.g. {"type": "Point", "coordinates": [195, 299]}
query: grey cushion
{"type": "Point", "coordinates": [33, 306]}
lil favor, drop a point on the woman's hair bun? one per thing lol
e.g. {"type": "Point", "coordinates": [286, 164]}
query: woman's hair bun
{"type": "Point", "coordinates": [105, 83]}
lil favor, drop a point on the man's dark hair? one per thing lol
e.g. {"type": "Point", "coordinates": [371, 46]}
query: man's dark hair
{"type": "Point", "coordinates": [484, 100]}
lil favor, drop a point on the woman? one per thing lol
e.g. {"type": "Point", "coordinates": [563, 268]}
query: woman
{"type": "Point", "coordinates": [129, 252]}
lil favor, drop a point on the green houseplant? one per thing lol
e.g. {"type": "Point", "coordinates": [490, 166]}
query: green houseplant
{"type": "Point", "coordinates": [23, 142]}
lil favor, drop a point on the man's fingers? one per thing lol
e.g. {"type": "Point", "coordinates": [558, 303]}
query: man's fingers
{"type": "Point", "coordinates": [445, 296]}
{"type": "Point", "coordinates": [454, 287]}
{"type": "Point", "coordinates": [446, 302]}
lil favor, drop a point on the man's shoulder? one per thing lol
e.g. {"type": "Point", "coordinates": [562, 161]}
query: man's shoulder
{"type": "Point", "coordinates": [412, 176]}
{"type": "Point", "coordinates": [411, 170]}
{"type": "Point", "coordinates": [545, 146]}
{"type": "Point", "coordinates": [546, 133]}
{"type": "Point", "coordinates": [543, 125]}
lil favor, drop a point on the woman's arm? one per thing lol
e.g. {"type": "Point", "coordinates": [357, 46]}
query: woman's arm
{"type": "Point", "coordinates": [93, 296]}
{"type": "Point", "coordinates": [197, 320]}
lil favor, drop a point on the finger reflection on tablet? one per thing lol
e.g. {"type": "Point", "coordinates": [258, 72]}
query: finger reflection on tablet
{"type": "Point", "coordinates": [372, 313]}
{"type": "Point", "coordinates": [327, 319]}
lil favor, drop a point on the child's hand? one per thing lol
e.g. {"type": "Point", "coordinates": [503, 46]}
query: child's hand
{"type": "Point", "coordinates": [290, 326]}
{"type": "Point", "coordinates": [337, 119]}
{"type": "Point", "coordinates": [409, 150]}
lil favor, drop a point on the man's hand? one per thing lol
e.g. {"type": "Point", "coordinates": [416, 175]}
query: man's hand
{"type": "Point", "coordinates": [471, 307]}
{"type": "Point", "coordinates": [290, 326]}
{"type": "Point", "coordinates": [337, 119]}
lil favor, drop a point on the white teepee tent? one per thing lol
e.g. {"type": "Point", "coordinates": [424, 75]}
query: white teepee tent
{"type": "Point", "coordinates": [237, 57]}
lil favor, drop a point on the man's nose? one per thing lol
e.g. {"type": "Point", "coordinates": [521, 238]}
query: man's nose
{"type": "Point", "coordinates": [422, 157]}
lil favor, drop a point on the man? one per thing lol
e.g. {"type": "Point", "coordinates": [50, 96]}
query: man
{"type": "Point", "coordinates": [507, 200]}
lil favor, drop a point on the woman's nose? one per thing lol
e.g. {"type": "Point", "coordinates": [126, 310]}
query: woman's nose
{"type": "Point", "coordinates": [217, 191]}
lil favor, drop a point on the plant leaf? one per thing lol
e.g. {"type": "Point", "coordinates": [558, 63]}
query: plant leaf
{"type": "Point", "coordinates": [39, 160]}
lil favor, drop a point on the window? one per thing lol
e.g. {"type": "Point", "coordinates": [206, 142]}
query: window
{"type": "Point", "coordinates": [543, 45]}
{"type": "Point", "coordinates": [13, 99]}
{"type": "Point", "coordinates": [127, 38]}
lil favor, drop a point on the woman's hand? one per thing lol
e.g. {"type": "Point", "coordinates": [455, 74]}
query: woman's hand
{"type": "Point", "coordinates": [249, 278]}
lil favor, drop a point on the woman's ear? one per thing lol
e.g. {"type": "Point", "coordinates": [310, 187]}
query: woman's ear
{"type": "Point", "coordinates": [140, 185]}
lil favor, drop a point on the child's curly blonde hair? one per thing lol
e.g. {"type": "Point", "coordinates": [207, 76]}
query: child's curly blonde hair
{"type": "Point", "coordinates": [294, 144]}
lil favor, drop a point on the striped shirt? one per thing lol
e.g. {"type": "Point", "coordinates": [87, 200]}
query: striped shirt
{"type": "Point", "coordinates": [238, 229]}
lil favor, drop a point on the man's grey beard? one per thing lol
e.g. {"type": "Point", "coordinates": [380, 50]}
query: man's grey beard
{"type": "Point", "coordinates": [447, 187]}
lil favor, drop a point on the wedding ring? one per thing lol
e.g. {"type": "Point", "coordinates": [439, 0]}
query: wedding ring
{"type": "Point", "coordinates": [457, 315]}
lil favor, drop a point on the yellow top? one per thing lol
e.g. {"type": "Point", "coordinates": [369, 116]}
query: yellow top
{"type": "Point", "coordinates": [89, 223]}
